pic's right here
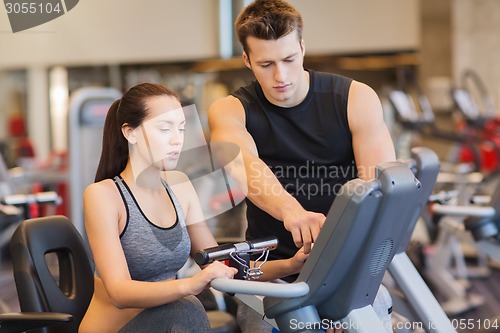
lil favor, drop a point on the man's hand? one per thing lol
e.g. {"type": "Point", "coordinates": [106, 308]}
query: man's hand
{"type": "Point", "coordinates": [304, 227]}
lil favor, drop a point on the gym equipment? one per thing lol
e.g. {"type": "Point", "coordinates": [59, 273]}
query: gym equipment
{"type": "Point", "coordinates": [239, 255]}
{"type": "Point", "coordinates": [17, 207]}
{"type": "Point", "coordinates": [425, 165]}
{"type": "Point", "coordinates": [341, 277]}
{"type": "Point", "coordinates": [444, 262]}
{"type": "Point", "coordinates": [37, 289]}
{"type": "Point", "coordinates": [474, 224]}
{"type": "Point", "coordinates": [9, 216]}
{"type": "Point", "coordinates": [472, 98]}
{"type": "Point", "coordinates": [481, 219]}
{"type": "Point", "coordinates": [414, 112]}
{"type": "Point", "coordinates": [14, 208]}
{"type": "Point", "coordinates": [88, 108]}
{"type": "Point", "coordinates": [20, 322]}
{"type": "Point", "coordinates": [477, 110]}
{"type": "Point", "coordinates": [64, 298]}
{"type": "Point", "coordinates": [417, 296]}
{"type": "Point", "coordinates": [460, 221]}
{"type": "Point", "coordinates": [25, 200]}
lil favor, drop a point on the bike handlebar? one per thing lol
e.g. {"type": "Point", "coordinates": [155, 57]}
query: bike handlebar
{"type": "Point", "coordinates": [223, 252]}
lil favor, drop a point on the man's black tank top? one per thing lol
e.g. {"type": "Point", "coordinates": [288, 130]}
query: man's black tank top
{"type": "Point", "coordinates": [308, 147]}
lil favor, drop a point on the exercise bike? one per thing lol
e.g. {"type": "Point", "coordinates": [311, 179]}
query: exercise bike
{"type": "Point", "coordinates": [368, 224]}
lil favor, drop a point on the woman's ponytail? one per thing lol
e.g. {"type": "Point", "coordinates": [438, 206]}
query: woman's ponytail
{"type": "Point", "coordinates": [114, 152]}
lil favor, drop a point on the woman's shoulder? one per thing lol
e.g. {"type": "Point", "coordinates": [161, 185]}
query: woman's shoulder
{"type": "Point", "coordinates": [104, 189]}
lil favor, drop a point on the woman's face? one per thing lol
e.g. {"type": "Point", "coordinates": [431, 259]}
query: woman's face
{"type": "Point", "coordinates": [161, 135]}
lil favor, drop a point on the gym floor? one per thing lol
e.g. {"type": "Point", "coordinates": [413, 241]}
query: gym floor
{"type": "Point", "coordinates": [488, 314]}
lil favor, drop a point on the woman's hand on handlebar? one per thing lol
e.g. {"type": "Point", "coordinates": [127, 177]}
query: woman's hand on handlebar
{"type": "Point", "coordinates": [298, 260]}
{"type": "Point", "coordinates": [202, 279]}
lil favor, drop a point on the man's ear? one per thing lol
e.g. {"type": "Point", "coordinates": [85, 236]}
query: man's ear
{"type": "Point", "coordinates": [246, 59]}
{"type": "Point", "coordinates": [303, 47]}
{"type": "Point", "coordinates": [129, 133]}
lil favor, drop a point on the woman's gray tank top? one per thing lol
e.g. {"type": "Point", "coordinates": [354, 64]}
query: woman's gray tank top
{"type": "Point", "coordinates": [153, 253]}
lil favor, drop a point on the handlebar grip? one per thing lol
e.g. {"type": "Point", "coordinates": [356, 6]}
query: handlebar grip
{"type": "Point", "coordinates": [222, 252]}
{"type": "Point", "coordinates": [270, 243]}
{"type": "Point", "coordinates": [206, 256]}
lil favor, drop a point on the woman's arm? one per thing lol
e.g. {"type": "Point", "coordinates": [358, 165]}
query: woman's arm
{"type": "Point", "coordinates": [277, 269]}
{"type": "Point", "coordinates": [202, 238]}
{"type": "Point", "coordinates": [104, 211]}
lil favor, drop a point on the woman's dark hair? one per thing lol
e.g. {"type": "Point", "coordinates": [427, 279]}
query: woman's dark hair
{"type": "Point", "coordinates": [131, 109]}
{"type": "Point", "coordinates": [267, 19]}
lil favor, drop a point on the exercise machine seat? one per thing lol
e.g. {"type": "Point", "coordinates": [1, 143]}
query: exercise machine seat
{"type": "Point", "coordinates": [71, 289]}
{"type": "Point", "coordinates": [362, 233]}
{"type": "Point", "coordinates": [18, 322]}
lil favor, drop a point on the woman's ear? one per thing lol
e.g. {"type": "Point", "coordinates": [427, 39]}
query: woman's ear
{"type": "Point", "coordinates": [129, 134]}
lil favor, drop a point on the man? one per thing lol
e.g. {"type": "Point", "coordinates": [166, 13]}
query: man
{"type": "Point", "coordinates": [302, 133]}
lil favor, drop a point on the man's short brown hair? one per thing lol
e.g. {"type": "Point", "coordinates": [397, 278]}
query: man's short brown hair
{"type": "Point", "coordinates": [268, 20]}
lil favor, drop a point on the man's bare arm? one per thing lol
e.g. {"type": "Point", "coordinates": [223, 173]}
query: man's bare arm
{"type": "Point", "coordinates": [372, 142]}
{"type": "Point", "coordinates": [227, 124]}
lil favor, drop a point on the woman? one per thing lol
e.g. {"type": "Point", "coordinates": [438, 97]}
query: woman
{"type": "Point", "coordinates": [141, 230]}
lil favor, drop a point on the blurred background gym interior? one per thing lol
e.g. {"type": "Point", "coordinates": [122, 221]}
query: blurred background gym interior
{"type": "Point", "coordinates": [434, 65]}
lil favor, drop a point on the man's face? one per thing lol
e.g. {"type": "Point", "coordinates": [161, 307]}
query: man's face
{"type": "Point", "coordinates": [278, 67]}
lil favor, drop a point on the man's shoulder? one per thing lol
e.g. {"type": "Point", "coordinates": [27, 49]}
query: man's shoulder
{"type": "Point", "coordinates": [327, 76]}
{"type": "Point", "coordinates": [224, 109]}
{"type": "Point", "coordinates": [246, 91]}
{"type": "Point", "coordinates": [330, 82]}
{"type": "Point", "coordinates": [230, 102]}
